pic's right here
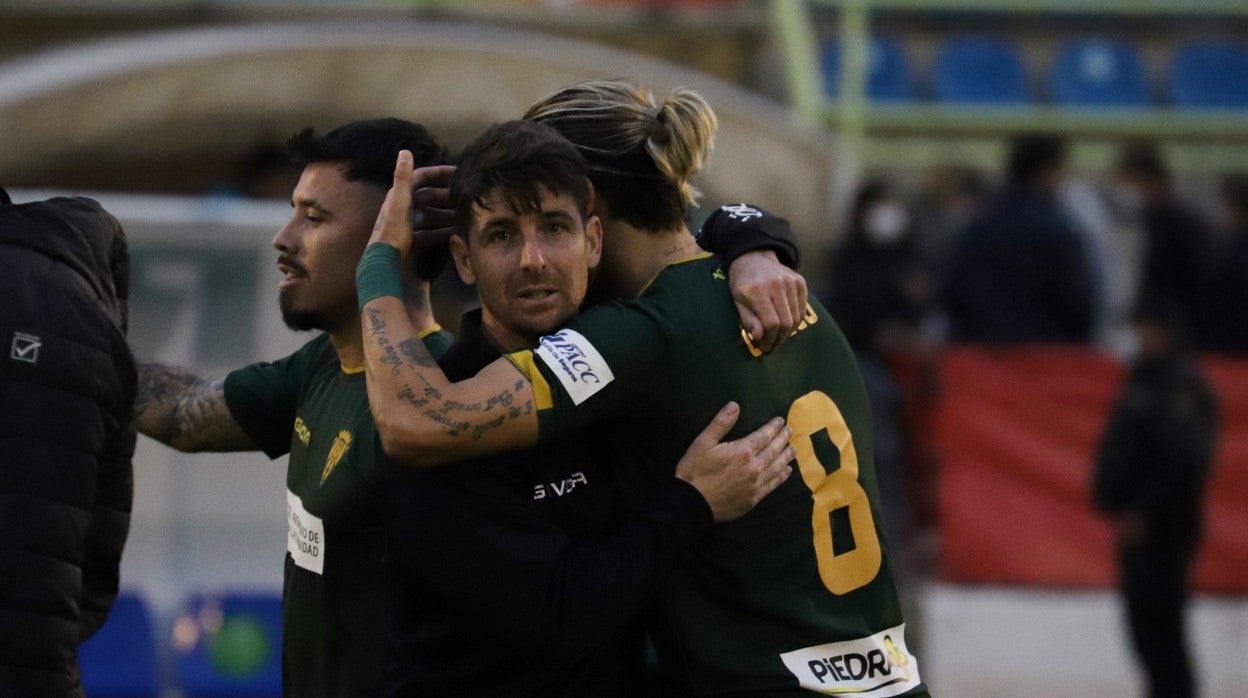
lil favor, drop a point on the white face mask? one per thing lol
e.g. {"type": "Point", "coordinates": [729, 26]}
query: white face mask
{"type": "Point", "coordinates": [886, 222]}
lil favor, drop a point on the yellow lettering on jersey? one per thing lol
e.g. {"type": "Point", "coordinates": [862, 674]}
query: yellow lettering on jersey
{"type": "Point", "coordinates": [341, 443]}
{"type": "Point", "coordinates": [719, 274]}
{"type": "Point", "coordinates": [302, 431]}
{"type": "Point", "coordinates": [808, 319]}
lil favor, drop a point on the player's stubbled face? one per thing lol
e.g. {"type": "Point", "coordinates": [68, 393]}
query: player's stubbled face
{"type": "Point", "coordinates": [531, 268]}
{"type": "Point", "coordinates": [320, 245]}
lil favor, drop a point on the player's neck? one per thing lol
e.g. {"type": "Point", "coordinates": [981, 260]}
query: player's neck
{"type": "Point", "coordinates": [349, 345]}
{"type": "Point", "coordinates": [640, 255]}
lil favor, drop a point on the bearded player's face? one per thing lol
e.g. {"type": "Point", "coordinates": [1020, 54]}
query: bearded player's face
{"type": "Point", "coordinates": [320, 246]}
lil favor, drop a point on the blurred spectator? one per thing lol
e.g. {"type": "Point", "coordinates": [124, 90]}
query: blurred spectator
{"type": "Point", "coordinates": [1150, 480]}
{"type": "Point", "coordinates": [264, 172]}
{"type": "Point", "coordinates": [1176, 238]}
{"type": "Point", "coordinates": [879, 294]}
{"type": "Point", "coordinates": [1019, 272]}
{"type": "Point", "coordinates": [67, 386]}
{"type": "Point", "coordinates": [950, 199]}
{"type": "Point", "coordinates": [880, 289]}
{"type": "Point", "coordinates": [1107, 260]}
{"type": "Point", "coordinates": [1224, 316]}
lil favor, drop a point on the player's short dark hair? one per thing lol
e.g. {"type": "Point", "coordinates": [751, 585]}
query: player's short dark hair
{"type": "Point", "coordinates": [1033, 154]}
{"type": "Point", "coordinates": [517, 159]}
{"type": "Point", "coordinates": [367, 148]}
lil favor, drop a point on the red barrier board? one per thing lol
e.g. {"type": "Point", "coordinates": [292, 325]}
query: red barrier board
{"type": "Point", "coordinates": [1018, 432]}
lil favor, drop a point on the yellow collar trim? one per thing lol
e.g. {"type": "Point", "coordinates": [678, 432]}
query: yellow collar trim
{"type": "Point", "coordinates": [691, 258]}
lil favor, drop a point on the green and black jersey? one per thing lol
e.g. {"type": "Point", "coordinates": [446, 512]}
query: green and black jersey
{"type": "Point", "coordinates": [336, 602]}
{"type": "Point", "coordinates": [798, 594]}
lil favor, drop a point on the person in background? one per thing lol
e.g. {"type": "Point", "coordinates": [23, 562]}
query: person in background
{"type": "Point", "coordinates": [1019, 273]}
{"type": "Point", "coordinates": [67, 435]}
{"type": "Point", "coordinates": [1177, 239]}
{"type": "Point", "coordinates": [880, 292]}
{"type": "Point", "coordinates": [1224, 313]}
{"type": "Point", "coordinates": [1149, 481]}
{"type": "Point", "coordinates": [950, 198]}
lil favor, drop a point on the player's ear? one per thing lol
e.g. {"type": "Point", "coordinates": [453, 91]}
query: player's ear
{"type": "Point", "coordinates": [463, 265]}
{"type": "Point", "coordinates": [593, 238]}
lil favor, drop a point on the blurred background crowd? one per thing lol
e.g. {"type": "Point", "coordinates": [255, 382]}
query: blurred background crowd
{"type": "Point", "coordinates": [985, 193]}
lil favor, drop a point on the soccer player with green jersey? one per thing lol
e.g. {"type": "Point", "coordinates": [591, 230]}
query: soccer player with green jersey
{"type": "Point", "coordinates": [336, 608]}
{"type": "Point", "coordinates": [795, 596]}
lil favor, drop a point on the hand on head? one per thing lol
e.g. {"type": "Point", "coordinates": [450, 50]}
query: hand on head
{"type": "Point", "coordinates": [423, 190]}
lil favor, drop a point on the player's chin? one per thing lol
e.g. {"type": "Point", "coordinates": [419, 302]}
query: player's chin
{"type": "Point", "coordinates": [545, 322]}
{"type": "Point", "coordinates": [295, 317]}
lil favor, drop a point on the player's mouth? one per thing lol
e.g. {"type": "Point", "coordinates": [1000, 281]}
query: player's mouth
{"type": "Point", "coordinates": [292, 272]}
{"type": "Point", "coordinates": [537, 294]}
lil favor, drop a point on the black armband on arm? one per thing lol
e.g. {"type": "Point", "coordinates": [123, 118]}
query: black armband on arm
{"type": "Point", "coordinates": [734, 229]}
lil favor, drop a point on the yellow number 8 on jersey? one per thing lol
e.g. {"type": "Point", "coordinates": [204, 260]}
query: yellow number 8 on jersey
{"type": "Point", "coordinates": [810, 414]}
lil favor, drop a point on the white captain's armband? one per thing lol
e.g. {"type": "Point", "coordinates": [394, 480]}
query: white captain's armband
{"type": "Point", "coordinates": [581, 370]}
{"type": "Point", "coordinates": [877, 666]}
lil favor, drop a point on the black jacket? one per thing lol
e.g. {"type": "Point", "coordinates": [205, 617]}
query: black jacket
{"type": "Point", "coordinates": [523, 574]}
{"type": "Point", "coordinates": [1019, 273]}
{"type": "Point", "coordinates": [67, 433]}
{"type": "Point", "coordinates": [1156, 451]}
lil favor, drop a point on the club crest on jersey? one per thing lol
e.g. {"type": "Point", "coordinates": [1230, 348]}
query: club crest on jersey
{"type": "Point", "coordinates": [879, 666]}
{"type": "Point", "coordinates": [808, 319]}
{"type": "Point", "coordinates": [342, 442]}
{"type": "Point", "coordinates": [581, 370]}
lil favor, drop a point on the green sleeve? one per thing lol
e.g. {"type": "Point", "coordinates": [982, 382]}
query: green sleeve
{"type": "Point", "coordinates": [263, 397]}
{"type": "Point", "coordinates": [605, 365]}
{"type": "Point", "coordinates": [438, 342]}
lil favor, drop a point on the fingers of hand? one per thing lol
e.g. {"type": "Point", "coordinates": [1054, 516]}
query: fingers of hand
{"type": "Point", "coordinates": [392, 219]}
{"type": "Point", "coordinates": [797, 295]}
{"type": "Point", "coordinates": [753, 327]}
{"type": "Point", "coordinates": [761, 439]}
{"type": "Point", "coordinates": [769, 317]}
{"type": "Point", "coordinates": [719, 426]}
{"type": "Point", "coordinates": [432, 197]}
{"type": "Point", "coordinates": [433, 176]}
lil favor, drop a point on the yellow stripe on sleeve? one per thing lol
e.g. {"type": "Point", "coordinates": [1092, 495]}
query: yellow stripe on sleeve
{"type": "Point", "coordinates": [523, 360]}
{"type": "Point", "coordinates": [425, 333]}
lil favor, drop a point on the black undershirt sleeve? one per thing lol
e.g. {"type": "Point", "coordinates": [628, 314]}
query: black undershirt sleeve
{"type": "Point", "coordinates": [735, 229]}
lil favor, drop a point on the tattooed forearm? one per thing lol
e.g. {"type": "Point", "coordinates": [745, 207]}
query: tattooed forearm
{"type": "Point", "coordinates": [178, 408]}
{"type": "Point", "coordinates": [416, 353]}
{"type": "Point", "coordinates": [375, 324]}
{"type": "Point", "coordinates": [450, 415]}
